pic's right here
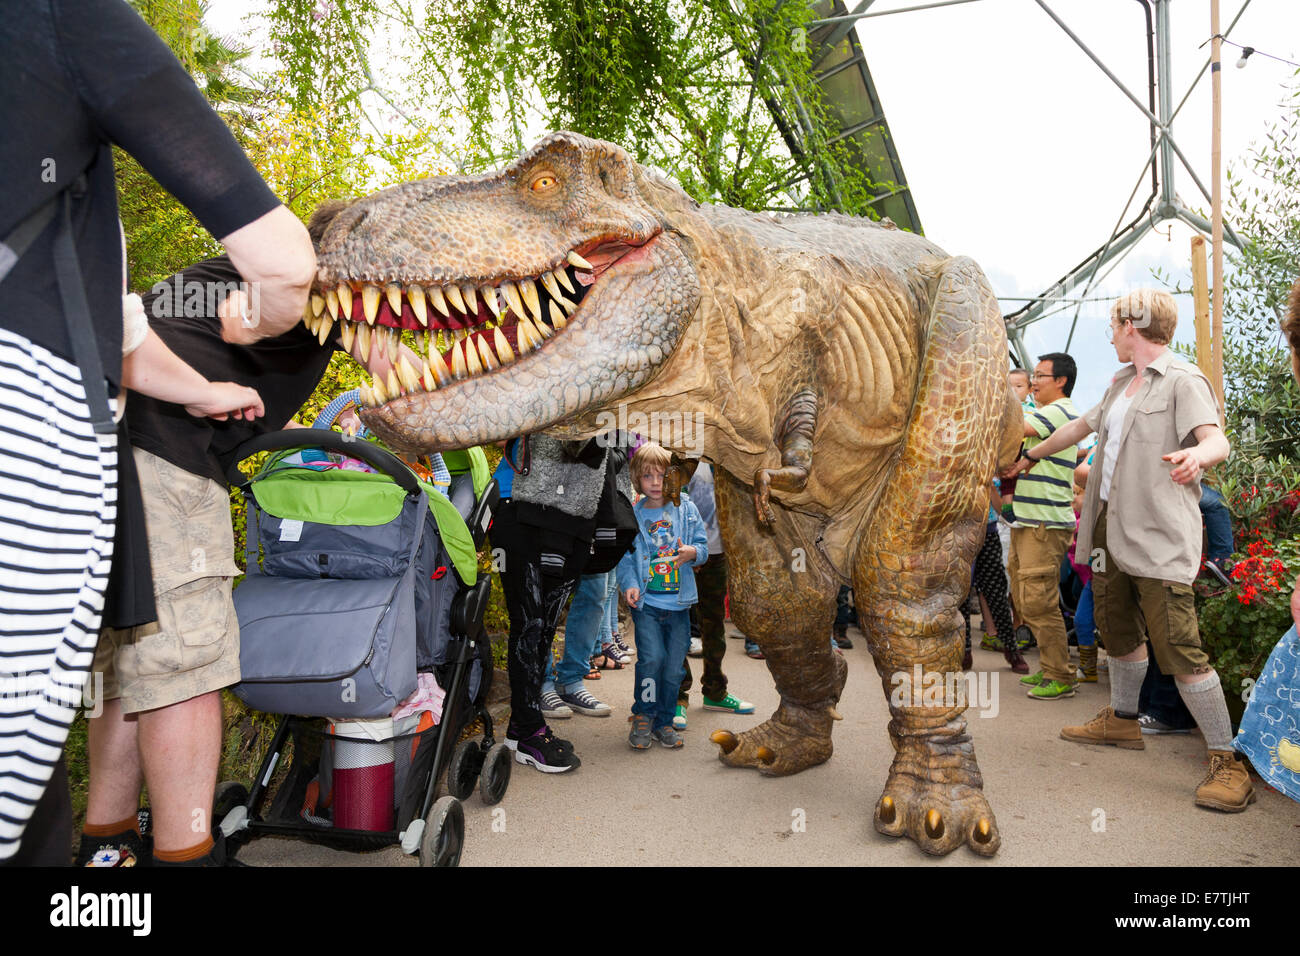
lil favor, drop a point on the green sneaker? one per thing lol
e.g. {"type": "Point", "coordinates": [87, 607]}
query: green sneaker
{"type": "Point", "coordinates": [679, 718]}
{"type": "Point", "coordinates": [1032, 680]}
{"type": "Point", "coordinates": [991, 643]}
{"type": "Point", "coordinates": [1052, 690]}
{"type": "Point", "coordinates": [731, 704]}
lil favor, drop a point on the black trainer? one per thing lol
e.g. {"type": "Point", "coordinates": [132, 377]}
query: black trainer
{"type": "Point", "coordinates": [547, 753]}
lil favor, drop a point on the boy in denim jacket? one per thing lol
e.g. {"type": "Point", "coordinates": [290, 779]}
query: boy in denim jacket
{"type": "Point", "coordinates": [657, 579]}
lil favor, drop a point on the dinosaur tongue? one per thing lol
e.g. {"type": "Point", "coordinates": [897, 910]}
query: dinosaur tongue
{"type": "Point", "coordinates": [601, 258]}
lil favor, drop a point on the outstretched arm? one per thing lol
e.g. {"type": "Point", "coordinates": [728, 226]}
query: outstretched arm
{"type": "Point", "coordinates": [1071, 433]}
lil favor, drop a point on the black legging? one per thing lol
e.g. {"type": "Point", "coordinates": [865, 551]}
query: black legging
{"type": "Point", "coordinates": [990, 581]}
{"type": "Point", "coordinates": [535, 602]}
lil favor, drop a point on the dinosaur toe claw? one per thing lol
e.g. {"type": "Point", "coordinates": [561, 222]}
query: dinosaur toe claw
{"type": "Point", "coordinates": [933, 824]}
{"type": "Point", "coordinates": [765, 755]}
{"type": "Point", "coordinates": [725, 739]}
{"type": "Point", "coordinates": [983, 831]}
{"type": "Point", "coordinates": [888, 813]}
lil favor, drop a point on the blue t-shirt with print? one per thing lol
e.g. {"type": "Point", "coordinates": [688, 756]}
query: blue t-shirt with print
{"type": "Point", "coordinates": [665, 577]}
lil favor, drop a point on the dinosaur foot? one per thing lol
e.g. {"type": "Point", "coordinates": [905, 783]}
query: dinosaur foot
{"type": "Point", "coordinates": [793, 739]}
{"type": "Point", "coordinates": [938, 816]}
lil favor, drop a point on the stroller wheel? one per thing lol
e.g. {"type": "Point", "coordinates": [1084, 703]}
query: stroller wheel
{"type": "Point", "coordinates": [463, 771]}
{"type": "Point", "coordinates": [444, 834]}
{"type": "Point", "coordinates": [495, 777]}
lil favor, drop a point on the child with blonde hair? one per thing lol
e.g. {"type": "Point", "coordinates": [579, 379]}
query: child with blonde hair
{"type": "Point", "coordinates": [657, 579]}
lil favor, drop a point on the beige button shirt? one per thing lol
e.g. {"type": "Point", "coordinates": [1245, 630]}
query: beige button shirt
{"type": "Point", "coordinates": [1153, 526]}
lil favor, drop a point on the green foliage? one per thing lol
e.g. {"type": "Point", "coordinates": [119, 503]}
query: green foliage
{"type": "Point", "coordinates": [1260, 482]}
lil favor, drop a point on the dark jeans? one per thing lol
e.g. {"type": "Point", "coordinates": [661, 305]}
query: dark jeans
{"type": "Point", "coordinates": [535, 602]}
{"type": "Point", "coordinates": [711, 585]}
{"type": "Point", "coordinates": [1218, 524]}
{"type": "Point", "coordinates": [845, 612]}
{"type": "Point", "coordinates": [1160, 698]}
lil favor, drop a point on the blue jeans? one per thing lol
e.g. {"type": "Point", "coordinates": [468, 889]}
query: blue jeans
{"type": "Point", "coordinates": [1085, 629]}
{"type": "Point", "coordinates": [662, 640]}
{"type": "Point", "coordinates": [1218, 524]}
{"type": "Point", "coordinates": [582, 629]}
{"type": "Point", "coordinates": [604, 631]}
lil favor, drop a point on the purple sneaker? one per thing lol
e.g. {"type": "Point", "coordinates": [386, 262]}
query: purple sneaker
{"type": "Point", "coordinates": [544, 751]}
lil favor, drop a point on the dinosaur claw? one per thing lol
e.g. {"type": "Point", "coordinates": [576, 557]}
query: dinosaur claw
{"type": "Point", "coordinates": [835, 714]}
{"type": "Point", "coordinates": [888, 813]}
{"type": "Point", "coordinates": [933, 824]}
{"type": "Point", "coordinates": [765, 755]}
{"type": "Point", "coordinates": [983, 831]}
{"type": "Point", "coordinates": [725, 739]}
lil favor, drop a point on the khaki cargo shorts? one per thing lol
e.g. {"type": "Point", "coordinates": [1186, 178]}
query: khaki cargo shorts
{"type": "Point", "coordinates": [1130, 610]}
{"type": "Point", "coordinates": [193, 647]}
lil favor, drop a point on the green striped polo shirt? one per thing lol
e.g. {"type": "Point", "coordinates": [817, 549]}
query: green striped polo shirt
{"type": "Point", "coordinates": [1045, 494]}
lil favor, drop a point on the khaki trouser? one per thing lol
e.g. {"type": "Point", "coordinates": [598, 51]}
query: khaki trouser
{"type": "Point", "coordinates": [1129, 610]}
{"type": "Point", "coordinates": [1036, 555]}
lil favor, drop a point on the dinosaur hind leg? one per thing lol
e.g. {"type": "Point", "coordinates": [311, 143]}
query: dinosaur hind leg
{"type": "Point", "coordinates": [913, 569]}
{"type": "Point", "coordinates": [783, 597]}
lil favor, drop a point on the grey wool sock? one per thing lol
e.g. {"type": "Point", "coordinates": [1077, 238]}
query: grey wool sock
{"type": "Point", "coordinates": [1205, 700]}
{"type": "Point", "coordinates": [1126, 684]}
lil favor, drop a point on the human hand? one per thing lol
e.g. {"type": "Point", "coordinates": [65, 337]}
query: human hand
{"type": "Point", "coordinates": [1020, 464]}
{"type": "Point", "coordinates": [1187, 465]}
{"type": "Point", "coordinates": [685, 554]}
{"type": "Point", "coordinates": [239, 324]}
{"type": "Point", "coordinates": [226, 399]}
{"type": "Point", "coordinates": [633, 595]}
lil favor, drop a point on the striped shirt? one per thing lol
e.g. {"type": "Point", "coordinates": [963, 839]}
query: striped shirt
{"type": "Point", "coordinates": [58, 496]}
{"type": "Point", "coordinates": [1044, 495]}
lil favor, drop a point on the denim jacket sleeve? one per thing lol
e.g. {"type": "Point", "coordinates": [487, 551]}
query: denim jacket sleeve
{"type": "Point", "coordinates": [698, 535]}
{"type": "Point", "coordinates": [627, 568]}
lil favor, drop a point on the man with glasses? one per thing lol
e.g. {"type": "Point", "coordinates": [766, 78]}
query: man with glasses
{"type": "Point", "coordinates": [1159, 429]}
{"type": "Point", "coordinates": [1044, 521]}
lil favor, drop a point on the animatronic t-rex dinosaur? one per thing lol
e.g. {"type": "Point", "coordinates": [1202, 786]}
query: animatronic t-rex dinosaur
{"type": "Point", "coordinates": [846, 378]}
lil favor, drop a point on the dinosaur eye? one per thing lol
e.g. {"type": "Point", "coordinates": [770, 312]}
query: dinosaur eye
{"type": "Point", "coordinates": [543, 183]}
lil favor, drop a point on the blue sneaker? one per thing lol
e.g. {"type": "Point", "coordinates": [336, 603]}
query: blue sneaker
{"type": "Point", "coordinates": [752, 650]}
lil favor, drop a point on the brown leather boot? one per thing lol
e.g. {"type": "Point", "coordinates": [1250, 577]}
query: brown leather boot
{"type": "Point", "coordinates": [1106, 728]}
{"type": "Point", "coordinates": [1227, 784]}
{"type": "Point", "coordinates": [1017, 660]}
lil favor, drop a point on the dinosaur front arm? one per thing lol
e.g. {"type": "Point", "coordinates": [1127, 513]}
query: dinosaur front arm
{"type": "Point", "coordinates": [794, 436]}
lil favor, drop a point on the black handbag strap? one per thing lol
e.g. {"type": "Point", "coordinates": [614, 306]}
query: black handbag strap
{"type": "Point", "coordinates": [72, 294]}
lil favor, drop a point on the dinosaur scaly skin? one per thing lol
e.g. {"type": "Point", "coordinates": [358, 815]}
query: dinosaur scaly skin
{"type": "Point", "coordinates": [845, 377]}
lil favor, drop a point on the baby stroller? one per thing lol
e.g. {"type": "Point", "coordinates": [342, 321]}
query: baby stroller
{"type": "Point", "coordinates": [362, 583]}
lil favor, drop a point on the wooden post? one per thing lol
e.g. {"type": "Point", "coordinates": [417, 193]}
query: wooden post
{"type": "Point", "coordinates": [1201, 305]}
{"type": "Point", "coordinates": [1216, 222]}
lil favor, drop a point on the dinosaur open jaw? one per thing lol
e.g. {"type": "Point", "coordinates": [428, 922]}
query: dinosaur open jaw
{"type": "Point", "coordinates": [470, 327]}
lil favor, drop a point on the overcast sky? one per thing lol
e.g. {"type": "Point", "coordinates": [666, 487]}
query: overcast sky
{"type": "Point", "coordinates": [1021, 153]}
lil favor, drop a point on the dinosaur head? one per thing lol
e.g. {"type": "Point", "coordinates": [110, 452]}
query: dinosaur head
{"type": "Point", "coordinates": [561, 279]}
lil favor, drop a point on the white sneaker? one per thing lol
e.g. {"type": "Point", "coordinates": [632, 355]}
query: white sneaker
{"type": "Point", "coordinates": [697, 648]}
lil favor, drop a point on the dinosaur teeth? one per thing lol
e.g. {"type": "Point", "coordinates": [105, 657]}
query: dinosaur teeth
{"type": "Point", "coordinates": [381, 397]}
{"type": "Point", "coordinates": [557, 316]}
{"type": "Point", "coordinates": [455, 298]}
{"type": "Point", "coordinates": [528, 336]}
{"type": "Point", "coordinates": [489, 294]}
{"type": "Point", "coordinates": [317, 303]}
{"type": "Point", "coordinates": [472, 361]}
{"type": "Point", "coordinates": [324, 329]}
{"type": "Point", "coordinates": [332, 303]}
{"type": "Point", "coordinates": [565, 280]}
{"type": "Point", "coordinates": [580, 262]}
{"type": "Point", "coordinates": [410, 378]}
{"type": "Point", "coordinates": [438, 367]}
{"type": "Point", "coordinates": [485, 352]}
{"type": "Point", "coordinates": [363, 342]}
{"type": "Point", "coordinates": [502, 344]}
{"type": "Point", "coordinates": [511, 293]}
{"type": "Point", "coordinates": [569, 307]}
{"type": "Point", "coordinates": [345, 299]}
{"type": "Point", "coordinates": [349, 333]}
{"type": "Point", "coordinates": [394, 344]}
{"type": "Point", "coordinates": [528, 289]}
{"type": "Point", "coordinates": [470, 295]}
{"type": "Point", "coordinates": [458, 367]}
{"type": "Point", "coordinates": [543, 330]}
{"type": "Point", "coordinates": [415, 294]}
{"type": "Point", "coordinates": [393, 292]}
{"type": "Point", "coordinates": [550, 285]}
{"type": "Point", "coordinates": [427, 380]}
{"type": "Point", "coordinates": [394, 386]}
{"type": "Point", "coordinates": [369, 302]}
{"type": "Point", "coordinates": [438, 299]}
